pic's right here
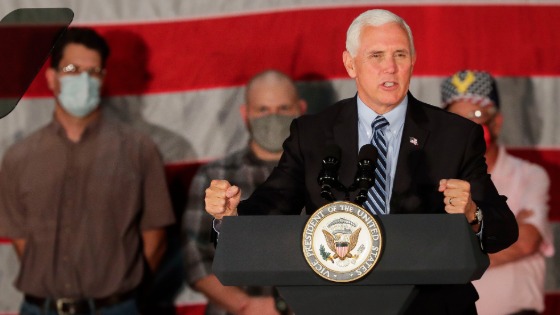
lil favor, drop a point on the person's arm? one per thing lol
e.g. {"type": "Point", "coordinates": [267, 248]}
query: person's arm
{"type": "Point", "coordinates": [199, 253]}
{"type": "Point", "coordinates": [154, 246]}
{"type": "Point", "coordinates": [527, 244]}
{"type": "Point", "coordinates": [499, 226]}
{"type": "Point", "coordinates": [19, 246]}
{"type": "Point", "coordinates": [12, 210]}
{"type": "Point", "coordinates": [157, 211]}
{"type": "Point", "coordinates": [532, 219]}
{"type": "Point", "coordinates": [197, 248]}
{"type": "Point", "coordinates": [233, 299]}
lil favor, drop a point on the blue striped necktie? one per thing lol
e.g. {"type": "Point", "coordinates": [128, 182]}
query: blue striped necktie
{"type": "Point", "coordinates": [377, 194]}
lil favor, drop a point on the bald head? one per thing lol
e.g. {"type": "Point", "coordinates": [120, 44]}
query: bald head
{"type": "Point", "coordinates": [267, 80]}
{"type": "Point", "coordinates": [272, 92]}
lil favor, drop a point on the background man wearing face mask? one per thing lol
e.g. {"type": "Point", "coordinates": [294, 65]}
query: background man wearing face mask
{"type": "Point", "coordinates": [272, 102]}
{"type": "Point", "coordinates": [514, 283]}
{"type": "Point", "coordinates": [84, 198]}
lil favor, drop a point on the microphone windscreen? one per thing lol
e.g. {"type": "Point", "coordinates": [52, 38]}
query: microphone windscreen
{"type": "Point", "coordinates": [332, 150]}
{"type": "Point", "coordinates": [367, 152]}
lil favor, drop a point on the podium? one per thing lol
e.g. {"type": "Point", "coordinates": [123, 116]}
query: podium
{"type": "Point", "coordinates": [419, 249]}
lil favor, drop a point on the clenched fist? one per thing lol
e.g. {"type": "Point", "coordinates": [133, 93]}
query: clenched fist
{"type": "Point", "coordinates": [222, 199]}
{"type": "Point", "coordinates": [457, 197]}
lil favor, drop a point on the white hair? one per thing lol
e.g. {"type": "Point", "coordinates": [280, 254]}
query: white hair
{"type": "Point", "coordinates": [376, 17]}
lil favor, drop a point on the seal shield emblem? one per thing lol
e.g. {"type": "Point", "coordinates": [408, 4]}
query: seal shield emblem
{"type": "Point", "coordinates": [342, 242]}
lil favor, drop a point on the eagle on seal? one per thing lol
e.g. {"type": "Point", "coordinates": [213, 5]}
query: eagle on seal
{"type": "Point", "coordinates": [341, 243]}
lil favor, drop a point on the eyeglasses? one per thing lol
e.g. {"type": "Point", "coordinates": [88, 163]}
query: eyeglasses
{"type": "Point", "coordinates": [72, 69]}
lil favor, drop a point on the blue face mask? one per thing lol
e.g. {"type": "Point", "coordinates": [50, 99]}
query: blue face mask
{"type": "Point", "coordinates": [79, 94]}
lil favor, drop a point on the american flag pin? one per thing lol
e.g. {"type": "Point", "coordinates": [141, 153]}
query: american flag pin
{"type": "Point", "coordinates": [413, 140]}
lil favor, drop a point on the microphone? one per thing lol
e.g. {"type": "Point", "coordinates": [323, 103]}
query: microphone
{"type": "Point", "coordinates": [328, 176]}
{"type": "Point", "coordinates": [367, 160]}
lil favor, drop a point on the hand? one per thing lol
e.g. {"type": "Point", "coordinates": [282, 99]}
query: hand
{"type": "Point", "coordinates": [457, 197]}
{"type": "Point", "coordinates": [259, 306]}
{"type": "Point", "coordinates": [222, 199]}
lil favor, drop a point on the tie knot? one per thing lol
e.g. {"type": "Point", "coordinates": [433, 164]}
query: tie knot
{"type": "Point", "coordinates": [379, 123]}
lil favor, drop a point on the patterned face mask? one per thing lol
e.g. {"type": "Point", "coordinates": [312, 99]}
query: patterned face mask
{"type": "Point", "coordinates": [270, 131]}
{"type": "Point", "coordinates": [79, 94]}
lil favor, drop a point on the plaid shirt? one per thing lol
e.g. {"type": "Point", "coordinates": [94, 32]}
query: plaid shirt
{"type": "Point", "coordinates": [242, 169]}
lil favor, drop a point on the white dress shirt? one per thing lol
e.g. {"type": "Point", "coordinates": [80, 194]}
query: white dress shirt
{"type": "Point", "coordinates": [393, 135]}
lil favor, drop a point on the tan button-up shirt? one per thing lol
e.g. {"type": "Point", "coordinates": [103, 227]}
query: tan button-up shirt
{"type": "Point", "coordinates": [81, 208]}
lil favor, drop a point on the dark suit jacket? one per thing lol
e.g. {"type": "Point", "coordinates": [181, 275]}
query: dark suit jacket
{"type": "Point", "coordinates": [447, 146]}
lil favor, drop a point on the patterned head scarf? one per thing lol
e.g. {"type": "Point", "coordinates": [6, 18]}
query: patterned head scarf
{"type": "Point", "coordinates": [477, 87]}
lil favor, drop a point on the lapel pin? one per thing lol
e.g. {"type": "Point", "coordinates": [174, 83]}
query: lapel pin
{"type": "Point", "coordinates": [413, 140]}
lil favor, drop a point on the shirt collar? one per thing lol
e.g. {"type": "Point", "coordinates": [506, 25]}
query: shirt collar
{"type": "Point", "coordinates": [92, 127]}
{"type": "Point", "coordinates": [251, 159]}
{"type": "Point", "coordinates": [395, 117]}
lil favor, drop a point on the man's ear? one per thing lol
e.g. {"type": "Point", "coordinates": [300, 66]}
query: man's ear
{"type": "Point", "coordinates": [302, 106]}
{"type": "Point", "coordinates": [52, 81]}
{"type": "Point", "coordinates": [349, 64]}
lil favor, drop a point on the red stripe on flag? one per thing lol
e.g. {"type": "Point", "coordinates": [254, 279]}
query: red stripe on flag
{"type": "Point", "coordinates": [308, 44]}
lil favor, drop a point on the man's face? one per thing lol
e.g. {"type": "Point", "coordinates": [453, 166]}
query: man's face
{"type": "Point", "coordinates": [82, 58]}
{"type": "Point", "coordinates": [268, 98]}
{"type": "Point", "coordinates": [382, 66]}
{"type": "Point", "coordinates": [486, 116]}
{"type": "Point", "coordinates": [478, 114]}
{"type": "Point", "coordinates": [272, 105]}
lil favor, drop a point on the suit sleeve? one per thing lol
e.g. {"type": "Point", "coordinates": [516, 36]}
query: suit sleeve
{"type": "Point", "coordinates": [284, 191]}
{"type": "Point", "coordinates": [500, 226]}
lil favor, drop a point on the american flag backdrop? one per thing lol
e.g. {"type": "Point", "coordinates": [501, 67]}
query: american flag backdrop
{"type": "Point", "coordinates": [177, 70]}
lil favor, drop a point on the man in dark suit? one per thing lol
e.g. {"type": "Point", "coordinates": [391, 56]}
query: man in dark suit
{"type": "Point", "coordinates": [434, 160]}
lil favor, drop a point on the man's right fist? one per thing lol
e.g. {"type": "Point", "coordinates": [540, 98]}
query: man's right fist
{"type": "Point", "coordinates": [222, 199]}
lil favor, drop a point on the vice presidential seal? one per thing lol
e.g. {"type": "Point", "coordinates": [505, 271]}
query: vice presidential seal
{"type": "Point", "coordinates": [342, 242]}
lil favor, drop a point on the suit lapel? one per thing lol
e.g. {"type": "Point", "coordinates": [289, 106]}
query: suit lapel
{"type": "Point", "coordinates": [413, 140]}
{"type": "Point", "coordinates": [415, 135]}
{"type": "Point", "coordinates": [346, 137]}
